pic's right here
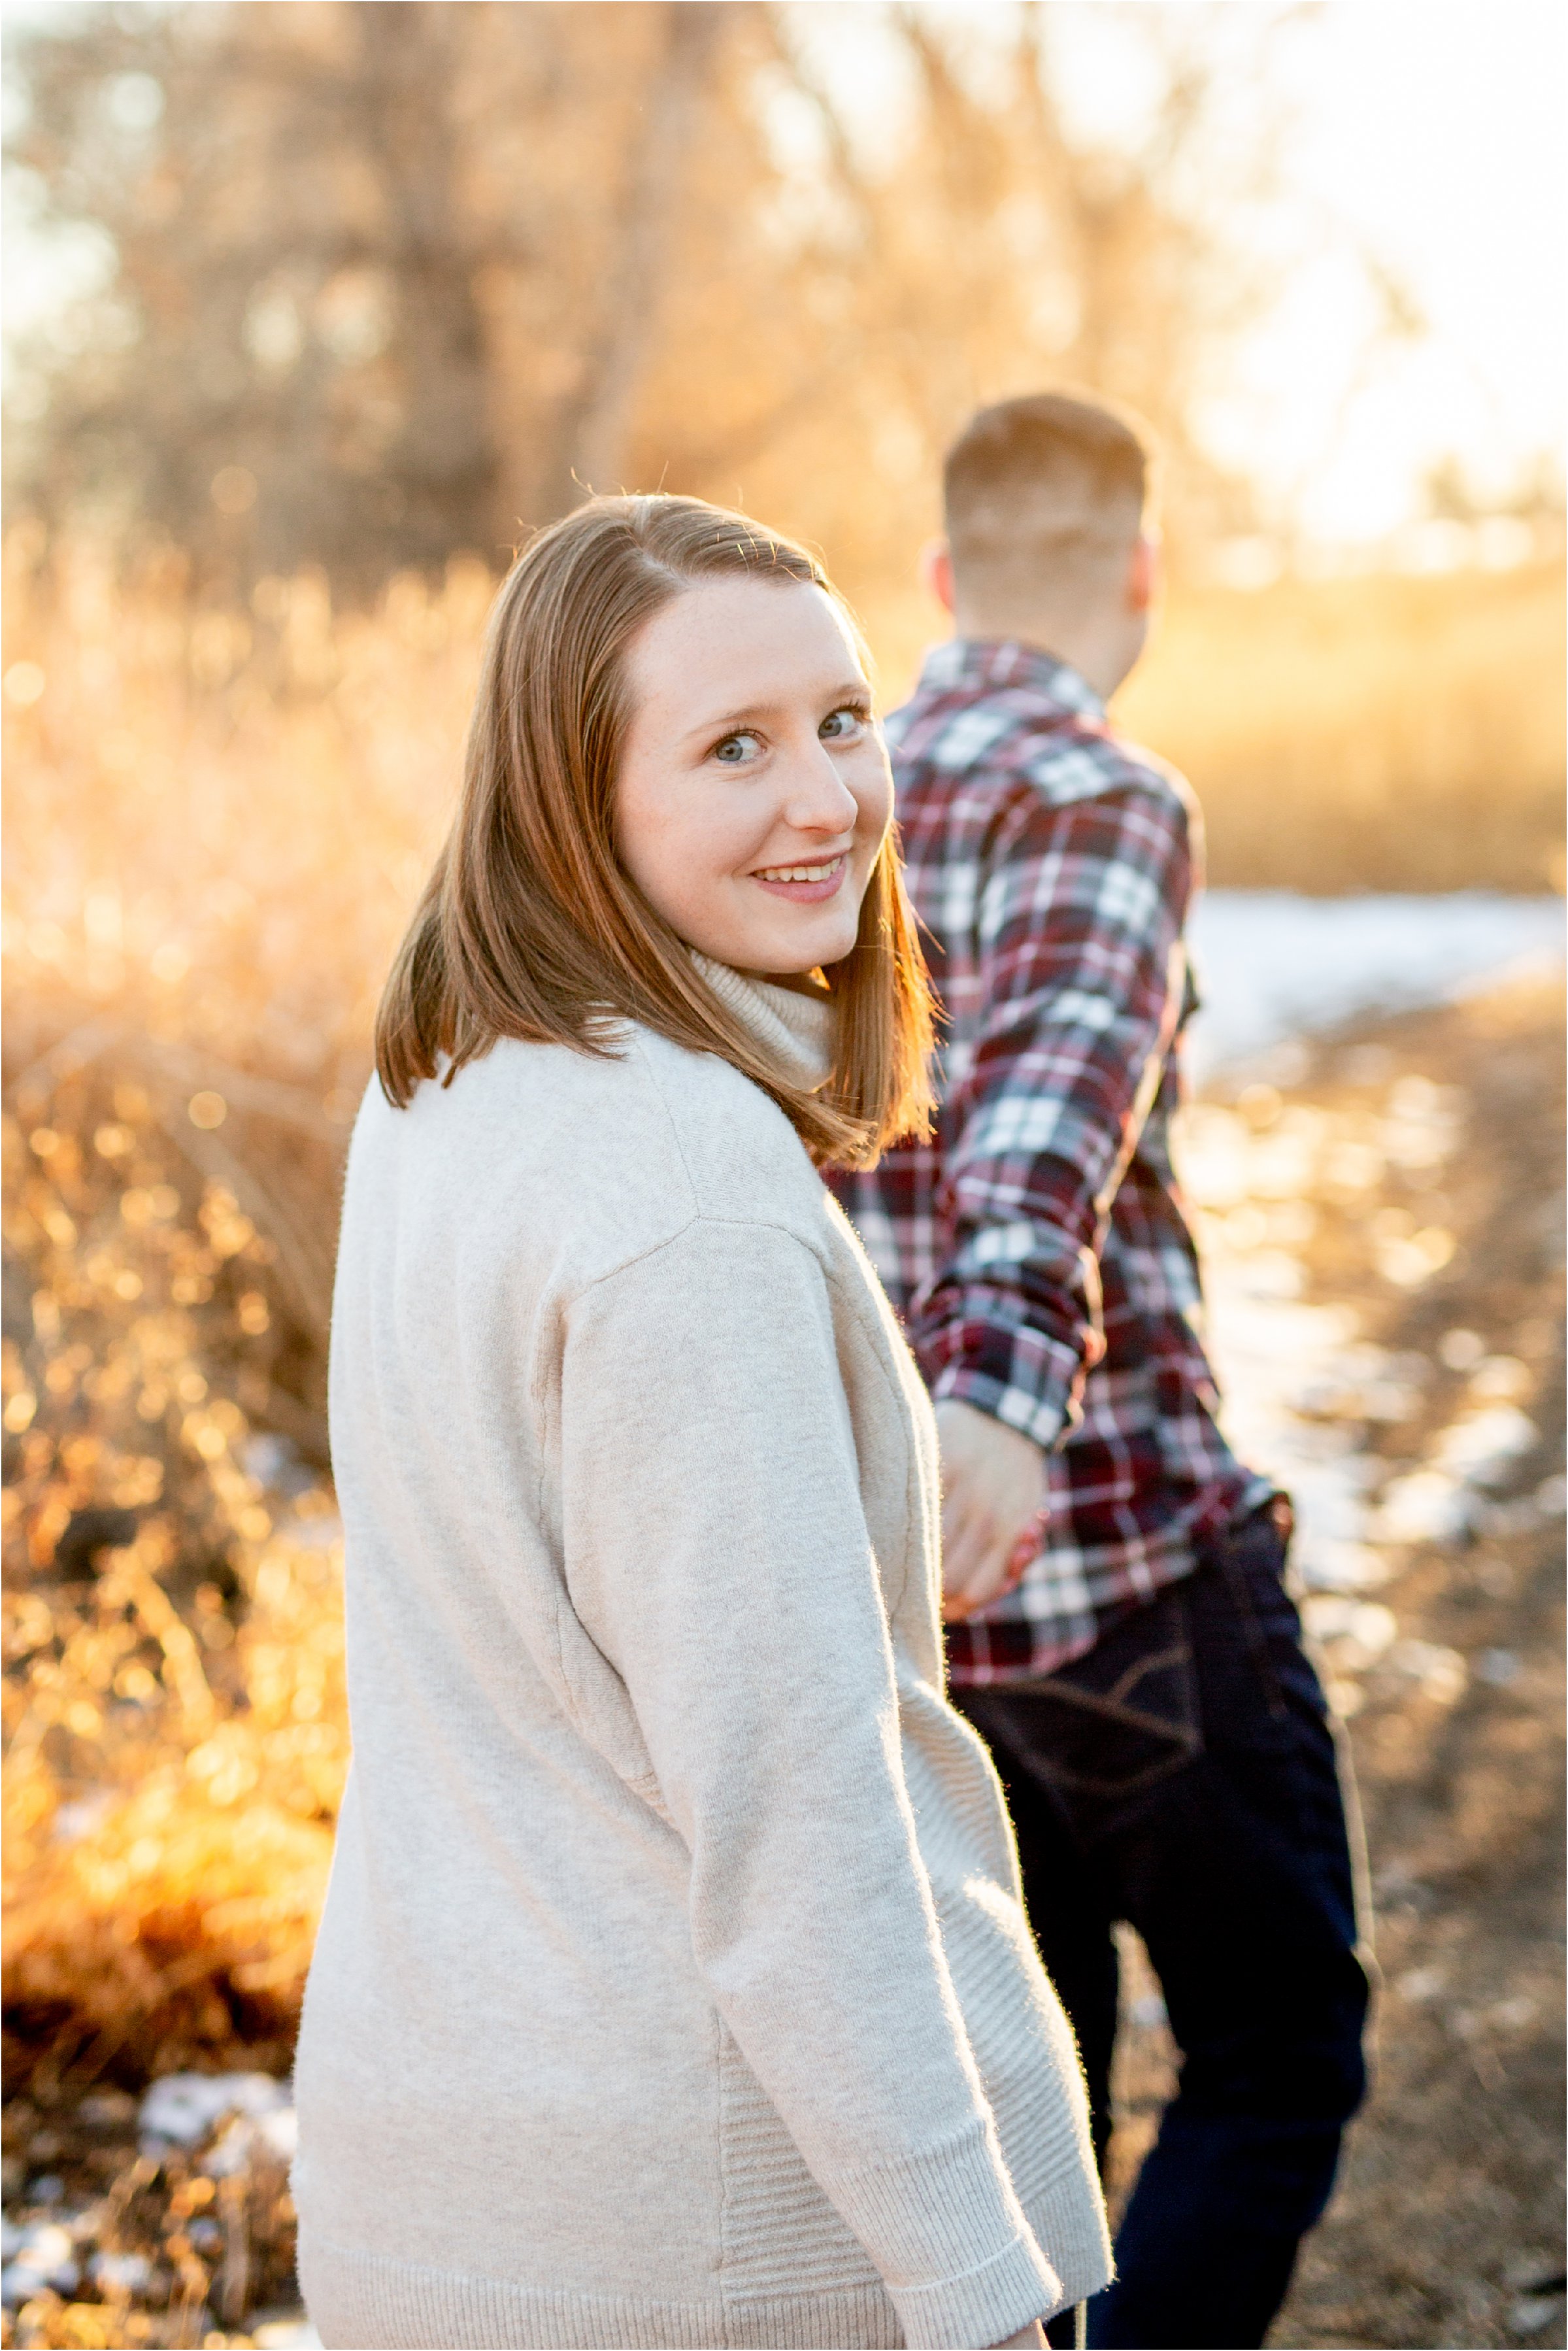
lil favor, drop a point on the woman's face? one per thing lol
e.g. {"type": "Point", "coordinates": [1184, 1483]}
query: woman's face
{"type": "Point", "coordinates": [754, 791]}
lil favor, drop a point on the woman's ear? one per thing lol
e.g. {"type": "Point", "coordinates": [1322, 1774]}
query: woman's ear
{"type": "Point", "coordinates": [936, 572]}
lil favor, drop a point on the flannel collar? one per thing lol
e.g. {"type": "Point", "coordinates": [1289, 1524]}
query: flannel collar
{"type": "Point", "coordinates": [985, 664]}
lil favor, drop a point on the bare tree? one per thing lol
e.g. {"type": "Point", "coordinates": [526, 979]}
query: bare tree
{"type": "Point", "coordinates": [600, 421]}
{"type": "Point", "coordinates": [396, 279]}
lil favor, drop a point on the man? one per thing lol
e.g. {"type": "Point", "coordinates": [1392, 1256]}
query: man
{"type": "Point", "coordinates": [1161, 1737]}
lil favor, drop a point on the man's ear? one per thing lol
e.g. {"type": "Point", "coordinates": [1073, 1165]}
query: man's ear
{"type": "Point", "coordinates": [1142, 571]}
{"type": "Point", "coordinates": [937, 571]}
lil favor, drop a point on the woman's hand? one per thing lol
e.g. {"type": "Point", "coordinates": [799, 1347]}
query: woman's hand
{"type": "Point", "coordinates": [993, 1486]}
{"type": "Point", "coordinates": [1031, 2334]}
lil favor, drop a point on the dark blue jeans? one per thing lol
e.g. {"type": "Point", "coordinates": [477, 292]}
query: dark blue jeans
{"type": "Point", "coordinates": [1183, 1776]}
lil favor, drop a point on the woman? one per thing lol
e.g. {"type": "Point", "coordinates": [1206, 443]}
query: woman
{"type": "Point", "coordinates": [673, 1986]}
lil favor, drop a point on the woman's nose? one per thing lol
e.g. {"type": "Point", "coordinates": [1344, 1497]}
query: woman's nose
{"type": "Point", "coordinates": [818, 799]}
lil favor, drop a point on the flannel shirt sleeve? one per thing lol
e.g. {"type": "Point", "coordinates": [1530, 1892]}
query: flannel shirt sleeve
{"type": "Point", "coordinates": [1082, 973]}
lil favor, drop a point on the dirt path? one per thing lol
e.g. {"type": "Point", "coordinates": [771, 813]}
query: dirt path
{"type": "Point", "coordinates": [1446, 2228]}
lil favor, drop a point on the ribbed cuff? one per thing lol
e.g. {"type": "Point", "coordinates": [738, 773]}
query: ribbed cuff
{"type": "Point", "coordinates": [982, 2307]}
{"type": "Point", "coordinates": [949, 2238]}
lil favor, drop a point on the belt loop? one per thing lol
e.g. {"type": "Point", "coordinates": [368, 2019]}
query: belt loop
{"type": "Point", "coordinates": [1081, 2326]}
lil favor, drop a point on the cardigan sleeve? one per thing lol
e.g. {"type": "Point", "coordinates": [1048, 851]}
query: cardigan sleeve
{"type": "Point", "coordinates": [717, 1553]}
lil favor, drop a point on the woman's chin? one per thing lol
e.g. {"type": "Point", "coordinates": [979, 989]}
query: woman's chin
{"type": "Point", "coordinates": [790, 960]}
{"type": "Point", "coordinates": [785, 949]}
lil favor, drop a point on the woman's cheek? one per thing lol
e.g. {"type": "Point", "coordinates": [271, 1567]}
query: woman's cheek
{"type": "Point", "coordinates": [876, 799]}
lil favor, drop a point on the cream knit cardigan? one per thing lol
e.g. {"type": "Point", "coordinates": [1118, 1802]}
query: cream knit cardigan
{"type": "Point", "coordinates": [673, 1986]}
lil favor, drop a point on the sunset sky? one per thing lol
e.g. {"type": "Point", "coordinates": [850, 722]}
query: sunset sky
{"type": "Point", "coordinates": [1434, 134]}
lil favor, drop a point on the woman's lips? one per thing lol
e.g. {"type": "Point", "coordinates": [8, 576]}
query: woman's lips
{"type": "Point", "coordinates": [806, 882]}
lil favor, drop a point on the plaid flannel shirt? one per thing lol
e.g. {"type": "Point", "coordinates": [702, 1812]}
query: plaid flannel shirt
{"type": "Point", "coordinates": [1037, 1248]}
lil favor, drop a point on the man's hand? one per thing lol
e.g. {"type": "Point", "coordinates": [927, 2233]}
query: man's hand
{"type": "Point", "coordinates": [993, 1483]}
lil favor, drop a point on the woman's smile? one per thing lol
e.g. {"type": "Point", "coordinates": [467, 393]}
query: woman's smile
{"type": "Point", "coordinates": [806, 885]}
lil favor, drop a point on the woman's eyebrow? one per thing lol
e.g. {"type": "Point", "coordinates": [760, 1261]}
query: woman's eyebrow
{"type": "Point", "coordinates": [848, 690]}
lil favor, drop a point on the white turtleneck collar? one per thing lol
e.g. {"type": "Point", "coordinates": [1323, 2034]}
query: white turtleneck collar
{"type": "Point", "coordinates": [795, 1031]}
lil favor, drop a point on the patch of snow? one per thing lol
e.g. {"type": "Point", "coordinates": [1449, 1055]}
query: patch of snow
{"type": "Point", "coordinates": [1274, 965]}
{"type": "Point", "coordinates": [182, 2108]}
{"type": "Point", "coordinates": [44, 2255]}
{"type": "Point", "coordinates": [1528, 2313]}
{"type": "Point", "coordinates": [1483, 1447]}
{"type": "Point", "coordinates": [1442, 1673]}
{"type": "Point", "coordinates": [275, 1462]}
{"type": "Point", "coordinates": [115, 2273]}
{"type": "Point", "coordinates": [276, 2134]}
{"type": "Point", "coordinates": [1354, 1632]}
{"type": "Point", "coordinates": [1424, 1506]}
{"type": "Point", "coordinates": [1461, 1350]}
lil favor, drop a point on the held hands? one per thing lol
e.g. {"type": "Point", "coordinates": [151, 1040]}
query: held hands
{"type": "Point", "coordinates": [992, 1484]}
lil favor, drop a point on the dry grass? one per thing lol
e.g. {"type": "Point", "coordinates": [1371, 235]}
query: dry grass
{"type": "Point", "coordinates": [174, 1703]}
{"type": "Point", "coordinates": [174, 1710]}
{"type": "Point", "coordinates": [1371, 734]}
{"type": "Point", "coordinates": [217, 821]}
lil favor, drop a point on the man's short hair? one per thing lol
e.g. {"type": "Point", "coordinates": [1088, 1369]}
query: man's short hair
{"type": "Point", "coordinates": [1047, 476]}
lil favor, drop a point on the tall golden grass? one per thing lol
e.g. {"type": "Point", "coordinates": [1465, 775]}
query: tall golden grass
{"type": "Point", "coordinates": [1379, 733]}
{"type": "Point", "coordinates": [173, 1641]}
{"type": "Point", "coordinates": [216, 820]}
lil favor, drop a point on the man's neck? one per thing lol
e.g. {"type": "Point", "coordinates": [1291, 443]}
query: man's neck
{"type": "Point", "coordinates": [1103, 659]}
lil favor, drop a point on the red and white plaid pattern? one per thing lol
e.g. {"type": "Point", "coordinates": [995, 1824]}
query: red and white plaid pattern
{"type": "Point", "coordinates": [1037, 1250]}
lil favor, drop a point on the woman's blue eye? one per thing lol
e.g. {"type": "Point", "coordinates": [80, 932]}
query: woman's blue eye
{"type": "Point", "coordinates": [732, 750]}
{"type": "Point", "coordinates": [851, 720]}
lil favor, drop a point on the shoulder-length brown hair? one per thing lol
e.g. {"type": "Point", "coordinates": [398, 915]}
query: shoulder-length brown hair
{"type": "Point", "coordinates": [530, 926]}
